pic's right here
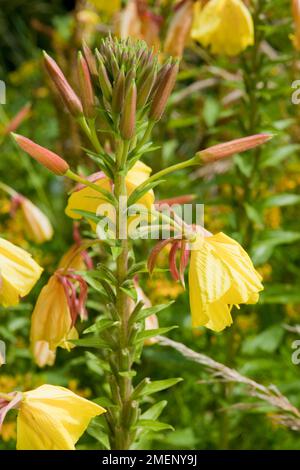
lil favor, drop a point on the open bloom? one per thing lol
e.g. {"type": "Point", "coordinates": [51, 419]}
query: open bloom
{"type": "Point", "coordinates": [49, 417]}
{"type": "Point", "coordinates": [224, 25]}
{"type": "Point", "coordinates": [88, 199]}
{"type": "Point", "coordinates": [221, 275]}
{"type": "Point", "coordinates": [18, 273]}
{"type": "Point", "coordinates": [55, 314]}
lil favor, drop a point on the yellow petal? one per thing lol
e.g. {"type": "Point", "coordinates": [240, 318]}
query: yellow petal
{"type": "Point", "coordinates": [18, 273]}
{"type": "Point", "coordinates": [37, 225]}
{"type": "Point", "coordinates": [224, 25]}
{"type": "Point", "coordinates": [51, 319]}
{"type": "Point", "coordinates": [89, 200]}
{"type": "Point", "coordinates": [53, 418]}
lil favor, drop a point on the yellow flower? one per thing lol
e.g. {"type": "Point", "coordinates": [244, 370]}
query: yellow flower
{"type": "Point", "coordinates": [53, 418]}
{"type": "Point", "coordinates": [89, 200]}
{"type": "Point", "coordinates": [221, 275]}
{"type": "Point", "coordinates": [18, 273]}
{"type": "Point", "coordinates": [110, 7]}
{"type": "Point", "coordinates": [224, 25]}
{"type": "Point", "coordinates": [51, 323]}
{"type": "Point", "coordinates": [37, 225]}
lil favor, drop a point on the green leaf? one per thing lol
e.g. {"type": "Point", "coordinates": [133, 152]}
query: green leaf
{"type": "Point", "coordinates": [96, 430]}
{"type": "Point", "coordinates": [253, 215]}
{"type": "Point", "coordinates": [146, 312]}
{"type": "Point", "coordinates": [267, 341]}
{"type": "Point", "coordinates": [153, 425]}
{"type": "Point", "coordinates": [276, 156]}
{"type": "Point", "coordinates": [104, 402]}
{"type": "Point", "coordinates": [100, 325]}
{"type": "Point", "coordinates": [280, 294]}
{"type": "Point", "coordinates": [211, 111]}
{"type": "Point", "coordinates": [155, 411]}
{"type": "Point", "coordinates": [280, 200]}
{"type": "Point", "coordinates": [91, 342]}
{"type": "Point", "coordinates": [139, 192]}
{"type": "Point", "coordinates": [116, 251]}
{"type": "Point", "coordinates": [155, 332]}
{"type": "Point", "coordinates": [263, 249]}
{"type": "Point", "coordinates": [159, 385]}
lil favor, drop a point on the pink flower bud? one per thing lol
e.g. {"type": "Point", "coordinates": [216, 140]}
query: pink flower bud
{"type": "Point", "coordinates": [66, 92]}
{"type": "Point", "coordinates": [217, 152]}
{"type": "Point", "coordinates": [18, 119]}
{"type": "Point", "coordinates": [44, 156]}
{"type": "Point", "coordinates": [86, 87]}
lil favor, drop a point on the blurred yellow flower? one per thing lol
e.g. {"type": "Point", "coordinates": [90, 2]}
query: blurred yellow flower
{"type": "Point", "coordinates": [18, 273]}
{"type": "Point", "coordinates": [89, 200]}
{"type": "Point", "coordinates": [224, 25]}
{"type": "Point", "coordinates": [37, 224]}
{"type": "Point", "coordinates": [221, 275]}
{"type": "Point", "coordinates": [53, 418]}
{"type": "Point", "coordinates": [110, 7]}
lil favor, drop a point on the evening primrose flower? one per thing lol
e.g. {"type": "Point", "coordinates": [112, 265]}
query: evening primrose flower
{"type": "Point", "coordinates": [88, 199]}
{"type": "Point", "coordinates": [18, 273]}
{"type": "Point", "coordinates": [55, 314]}
{"type": "Point", "coordinates": [49, 417]}
{"type": "Point", "coordinates": [221, 275]}
{"type": "Point", "coordinates": [224, 25]}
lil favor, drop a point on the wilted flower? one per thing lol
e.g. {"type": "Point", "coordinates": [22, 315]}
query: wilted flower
{"type": "Point", "coordinates": [55, 314]}
{"type": "Point", "coordinates": [18, 273]}
{"type": "Point", "coordinates": [179, 28]}
{"type": "Point", "coordinates": [224, 25]}
{"type": "Point", "coordinates": [49, 417]}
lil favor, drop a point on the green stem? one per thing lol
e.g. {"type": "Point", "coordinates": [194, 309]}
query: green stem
{"type": "Point", "coordinates": [171, 169]}
{"type": "Point", "coordinates": [121, 430]}
{"type": "Point", "coordinates": [146, 136]}
{"type": "Point", "coordinates": [90, 131]}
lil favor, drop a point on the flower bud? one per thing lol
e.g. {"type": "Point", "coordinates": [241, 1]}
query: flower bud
{"type": "Point", "coordinates": [44, 156]}
{"type": "Point", "coordinates": [146, 87]}
{"type": "Point", "coordinates": [219, 151]}
{"type": "Point", "coordinates": [86, 87]}
{"type": "Point", "coordinates": [18, 119]}
{"type": "Point", "coordinates": [104, 81]}
{"type": "Point", "coordinates": [68, 95]}
{"type": "Point", "coordinates": [118, 92]}
{"type": "Point", "coordinates": [163, 91]}
{"type": "Point", "coordinates": [91, 61]}
{"type": "Point", "coordinates": [127, 122]}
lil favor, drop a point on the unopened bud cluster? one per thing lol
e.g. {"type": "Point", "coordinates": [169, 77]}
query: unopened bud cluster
{"type": "Point", "coordinates": [130, 82]}
{"type": "Point", "coordinates": [122, 79]}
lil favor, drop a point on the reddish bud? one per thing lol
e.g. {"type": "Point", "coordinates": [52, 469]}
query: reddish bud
{"type": "Point", "coordinates": [127, 122]}
{"type": "Point", "coordinates": [44, 156]}
{"type": "Point", "coordinates": [163, 91]}
{"type": "Point", "coordinates": [66, 92]}
{"type": "Point", "coordinates": [86, 87]}
{"type": "Point", "coordinates": [219, 151]}
{"type": "Point", "coordinates": [90, 59]}
{"type": "Point", "coordinates": [18, 119]}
